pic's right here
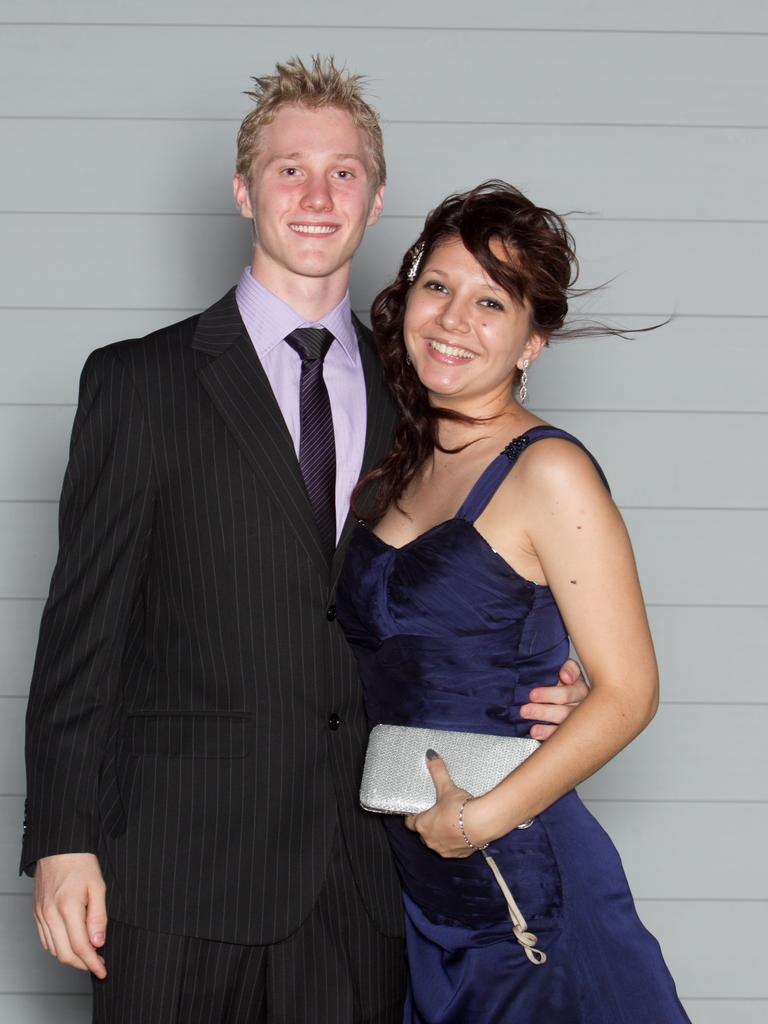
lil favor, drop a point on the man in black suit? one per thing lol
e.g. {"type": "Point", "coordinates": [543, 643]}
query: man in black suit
{"type": "Point", "coordinates": [195, 730]}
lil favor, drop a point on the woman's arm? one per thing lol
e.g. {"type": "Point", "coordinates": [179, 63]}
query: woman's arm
{"type": "Point", "coordinates": [583, 548]}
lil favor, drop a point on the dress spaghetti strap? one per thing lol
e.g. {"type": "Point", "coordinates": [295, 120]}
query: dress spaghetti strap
{"type": "Point", "coordinates": [490, 480]}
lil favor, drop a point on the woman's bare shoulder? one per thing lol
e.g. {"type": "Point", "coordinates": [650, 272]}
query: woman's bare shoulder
{"type": "Point", "coordinates": [557, 465]}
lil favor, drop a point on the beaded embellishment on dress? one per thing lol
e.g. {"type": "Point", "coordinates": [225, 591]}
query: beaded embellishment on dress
{"type": "Point", "coordinates": [515, 448]}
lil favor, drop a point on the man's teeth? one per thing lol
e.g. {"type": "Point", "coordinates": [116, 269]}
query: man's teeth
{"type": "Point", "coordinates": [312, 229]}
{"type": "Point", "coordinates": [450, 350]}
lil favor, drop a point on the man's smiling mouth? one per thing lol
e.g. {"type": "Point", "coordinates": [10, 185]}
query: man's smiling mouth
{"type": "Point", "coordinates": [314, 229]}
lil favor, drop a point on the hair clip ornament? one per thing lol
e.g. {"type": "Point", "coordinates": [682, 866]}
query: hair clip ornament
{"type": "Point", "coordinates": [413, 270]}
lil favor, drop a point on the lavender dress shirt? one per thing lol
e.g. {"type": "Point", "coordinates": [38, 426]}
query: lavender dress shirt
{"type": "Point", "coordinates": [268, 321]}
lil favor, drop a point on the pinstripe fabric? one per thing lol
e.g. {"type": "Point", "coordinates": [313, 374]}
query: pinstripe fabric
{"type": "Point", "coordinates": [335, 969]}
{"type": "Point", "coordinates": [186, 670]}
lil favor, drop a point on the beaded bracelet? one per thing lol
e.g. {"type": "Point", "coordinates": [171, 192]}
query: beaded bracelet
{"type": "Point", "coordinates": [464, 836]}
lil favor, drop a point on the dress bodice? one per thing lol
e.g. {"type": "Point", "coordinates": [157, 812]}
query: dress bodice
{"type": "Point", "coordinates": [447, 634]}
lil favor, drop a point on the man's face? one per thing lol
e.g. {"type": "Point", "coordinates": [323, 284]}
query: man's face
{"type": "Point", "coordinates": [310, 195]}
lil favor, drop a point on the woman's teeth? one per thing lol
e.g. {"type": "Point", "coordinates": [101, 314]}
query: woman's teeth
{"type": "Point", "coordinates": [450, 350]}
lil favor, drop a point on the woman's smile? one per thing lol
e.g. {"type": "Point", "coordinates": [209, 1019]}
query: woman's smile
{"type": "Point", "coordinates": [447, 353]}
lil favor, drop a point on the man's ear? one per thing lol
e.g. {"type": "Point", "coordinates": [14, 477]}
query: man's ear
{"type": "Point", "coordinates": [242, 196]}
{"type": "Point", "coordinates": [377, 206]}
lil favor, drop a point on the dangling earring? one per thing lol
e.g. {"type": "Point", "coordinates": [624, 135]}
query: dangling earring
{"type": "Point", "coordinates": [407, 359]}
{"type": "Point", "coordinates": [524, 383]}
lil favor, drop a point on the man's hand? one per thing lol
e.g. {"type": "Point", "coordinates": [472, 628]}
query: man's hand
{"type": "Point", "coordinates": [70, 910]}
{"type": "Point", "coordinates": [554, 703]}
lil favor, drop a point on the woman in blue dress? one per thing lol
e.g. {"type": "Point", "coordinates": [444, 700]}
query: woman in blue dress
{"type": "Point", "coordinates": [490, 540]}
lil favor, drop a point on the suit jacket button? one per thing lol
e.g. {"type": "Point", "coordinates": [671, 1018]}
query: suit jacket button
{"type": "Point", "coordinates": [330, 612]}
{"type": "Point", "coordinates": [334, 722]}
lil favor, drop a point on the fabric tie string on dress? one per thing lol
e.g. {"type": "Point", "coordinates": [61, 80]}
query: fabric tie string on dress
{"type": "Point", "coordinates": [317, 446]}
{"type": "Point", "coordinates": [519, 925]}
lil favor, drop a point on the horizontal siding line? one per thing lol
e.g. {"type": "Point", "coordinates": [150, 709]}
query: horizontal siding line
{"type": "Point", "coordinates": [165, 309]}
{"type": "Point", "coordinates": [672, 125]}
{"type": "Point", "coordinates": [648, 604]}
{"type": "Point", "coordinates": [527, 30]}
{"type": "Point", "coordinates": [589, 800]}
{"type": "Point", "coordinates": [539, 408]}
{"type": "Point", "coordinates": [157, 213]}
{"type": "Point", "coordinates": [637, 899]}
{"type": "Point", "coordinates": [663, 800]}
{"type": "Point", "coordinates": [597, 314]}
{"type": "Point", "coordinates": [587, 217]}
{"type": "Point", "coordinates": [643, 412]}
{"type": "Point", "coordinates": [123, 117]}
{"type": "Point", "coordinates": [87, 995]}
{"type": "Point", "coordinates": [679, 604]}
{"type": "Point", "coordinates": [622, 507]}
{"type": "Point", "coordinates": [43, 994]}
{"type": "Point", "coordinates": [662, 703]}
{"type": "Point", "coordinates": [388, 122]}
{"type": "Point", "coordinates": [713, 703]}
{"type": "Point", "coordinates": [581, 217]}
{"type": "Point", "coordinates": [364, 312]}
{"type": "Point", "coordinates": [695, 899]}
{"type": "Point", "coordinates": [659, 508]}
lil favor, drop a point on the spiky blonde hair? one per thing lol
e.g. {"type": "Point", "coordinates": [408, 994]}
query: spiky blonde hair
{"type": "Point", "coordinates": [321, 85]}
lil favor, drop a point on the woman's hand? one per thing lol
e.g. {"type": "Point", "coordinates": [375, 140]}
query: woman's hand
{"type": "Point", "coordinates": [439, 826]}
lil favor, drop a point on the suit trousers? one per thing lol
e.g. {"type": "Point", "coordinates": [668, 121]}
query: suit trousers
{"type": "Point", "coordinates": [337, 968]}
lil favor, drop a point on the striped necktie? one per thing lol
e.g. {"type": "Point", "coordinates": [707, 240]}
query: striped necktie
{"type": "Point", "coordinates": [317, 447]}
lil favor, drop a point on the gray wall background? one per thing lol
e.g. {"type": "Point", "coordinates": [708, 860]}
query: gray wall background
{"type": "Point", "coordinates": [117, 124]}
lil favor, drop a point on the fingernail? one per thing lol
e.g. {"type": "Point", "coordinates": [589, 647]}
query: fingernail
{"type": "Point", "coordinates": [432, 754]}
{"type": "Point", "coordinates": [97, 938]}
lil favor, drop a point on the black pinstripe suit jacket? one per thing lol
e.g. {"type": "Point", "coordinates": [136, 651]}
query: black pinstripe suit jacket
{"type": "Point", "coordinates": [178, 722]}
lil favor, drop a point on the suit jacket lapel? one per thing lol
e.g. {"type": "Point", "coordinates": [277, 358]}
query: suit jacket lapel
{"type": "Point", "coordinates": [380, 423]}
{"type": "Point", "coordinates": [240, 390]}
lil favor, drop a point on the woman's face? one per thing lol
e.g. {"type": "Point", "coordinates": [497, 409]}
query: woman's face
{"type": "Point", "coordinates": [465, 336]}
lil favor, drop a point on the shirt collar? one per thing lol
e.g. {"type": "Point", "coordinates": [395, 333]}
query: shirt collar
{"type": "Point", "coordinates": [269, 320]}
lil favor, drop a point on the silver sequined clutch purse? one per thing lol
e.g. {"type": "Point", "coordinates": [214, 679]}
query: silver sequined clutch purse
{"type": "Point", "coordinates": [395, 776]}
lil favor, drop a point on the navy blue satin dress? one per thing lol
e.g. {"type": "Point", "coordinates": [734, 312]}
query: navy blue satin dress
{"type": "Point", "coordinates": [449, 636]}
